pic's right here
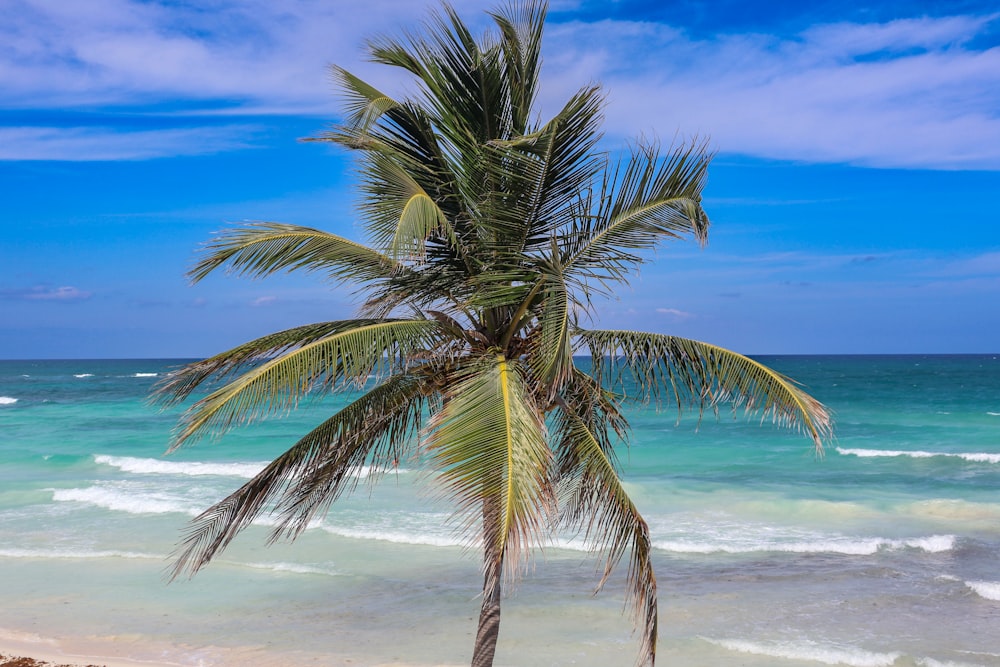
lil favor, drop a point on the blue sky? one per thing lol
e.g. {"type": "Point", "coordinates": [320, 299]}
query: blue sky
{"type": "Point", "coordinates": [855, 196]}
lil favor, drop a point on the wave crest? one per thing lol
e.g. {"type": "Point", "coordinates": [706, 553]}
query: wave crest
{"type": "Point", "coordinates": [812, 651]}
{"type": "Point", "coordinates": [115, 499]}
{"type": "Point", "coordinates": [975, 457]}
{"type": "Point", "coordinates": [142, 466]}
{"type": "Point", "coordinates": [844, 546]}
{"type": "Point", "coordinates": [985, 589]}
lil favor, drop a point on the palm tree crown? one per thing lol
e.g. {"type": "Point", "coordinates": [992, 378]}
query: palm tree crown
{"type": "Point", "coordinates": [490, 233]}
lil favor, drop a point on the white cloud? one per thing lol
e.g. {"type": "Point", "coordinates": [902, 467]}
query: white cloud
{"type": "Point", "coordinates": [246, 53]}
{"type": "Point", "coordinates": [104, 143]}
{"type": "Point", "coordinates": [263, 301]}
{"type": "Point", "coordinates": [65, 293]}
{"type": "Point", "coordinates": [901, 94]}
{"type": "Point", "coordinates": [678, 314]}
{"type": "Point", "coordinates": [908, 93]}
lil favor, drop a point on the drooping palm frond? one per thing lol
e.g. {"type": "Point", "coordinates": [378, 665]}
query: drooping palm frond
{"type": "Point", "coordinates": [370, 430]}
{"type": "Point", "coordinates": [551, 356]}
{"type": "Point", "coordinates": [704, 375]}
{"type": "Point", "coordinates": [488, 443]}
{"type": "Point", "coordinates": [349, 354]}
{"type": "Point", "coordinates": [595, 500]}
{"type": "Point", "coordinates": [369, 438]}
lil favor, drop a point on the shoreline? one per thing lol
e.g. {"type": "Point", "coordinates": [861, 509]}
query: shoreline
{"type": "Point", "coordinates": [36, 651]}
{"type": "Point", "coordinates": [24, 650]}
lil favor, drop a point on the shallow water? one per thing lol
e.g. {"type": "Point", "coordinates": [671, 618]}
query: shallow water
{"type": "Point", "coordinates": [884, 552]}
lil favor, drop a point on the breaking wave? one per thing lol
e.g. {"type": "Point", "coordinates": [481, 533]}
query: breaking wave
{"type": "Point", "coordinates": [142, 466]}
{"type": "Point", "coordinates": [985, 589]}
{"type": "Point", "coordinates": [812, 651]}
{"type": "Point", "coordinates": [976, 457]}
{"type": "Point", "coordinates": [834, 545]}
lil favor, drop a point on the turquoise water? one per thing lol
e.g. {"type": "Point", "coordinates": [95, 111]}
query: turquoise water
{"type": "Point", "coordinates": [884, 552]}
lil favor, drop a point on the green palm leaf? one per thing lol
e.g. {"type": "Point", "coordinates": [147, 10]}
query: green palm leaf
{"type": "Point", "coordinates": [403, 217]}
{"type": "Point", "coordinates": [489, 445]}
{"type": "Point", "coordinates": [595, 499]}
{"type": "Point", "coordinates": [643, 203]}
{"type": "Point", "coordinates": [351, 353]}
{"type": "Point", "coordinates": [704, 375]}
{"type": "Point", "coordinates": [521, 31]}
{"type": "Point", "coordinates": [313, 472]}
{"type": "Point", "coordinates": [262, 248]}
{"type": "Point", "coordinates": [364, 103]}
{"type": "Point", "coordinates": [179, 383]}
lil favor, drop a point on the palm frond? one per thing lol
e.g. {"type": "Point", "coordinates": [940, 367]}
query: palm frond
{"type": "Point", "coordinates": [704, 375]}
{"type": "Point", "coordinates": [551, 357]}
{"type": "Point", "coordinates": [593, 497]}
{"type": "Point", "coordinates": [363, 103]}
{"type": "Point", "coordinates": [646, 200]}
{"type": "Point", "coordinates": [401, 215]}
{"type": "Point", "coordinates": [178, 384]}
{"type": "Point", "coordinates": [373, 428]}
{"type": "Point", "coordinates": [521, 29]}
{"type": "Point", "coordinates": [365, 440]}
{"type": "Point", "coordinates": [488, 443]}
{"type": "Point", "coordinates": [349, 354]}
{"type": "Point", "coordinates": [262, 248]}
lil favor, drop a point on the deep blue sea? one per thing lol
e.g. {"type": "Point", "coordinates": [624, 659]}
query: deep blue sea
{"type": "Point", "coordinates": [883, 552]}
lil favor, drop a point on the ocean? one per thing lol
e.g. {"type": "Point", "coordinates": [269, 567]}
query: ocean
{"type": "Point", "coordinates": [883, 552]}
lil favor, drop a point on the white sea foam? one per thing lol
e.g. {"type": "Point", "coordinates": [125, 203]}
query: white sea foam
{"type": "Point", "coordinates": [811, 651]}
{"type": "Point", "coordinates": [295, 568]}
{"type": "Point", "coordinates": [83, 375]}
{"type": "Point", "coordinates": [51, 553]}
{"type": "Point", "coordinates": [194, 468]}
{"type": "Point", "coordinates": [424, 539]}
{"type": "Point", "coordinates": [246, 469]}
{"type": "Point", "coordinates": [7, 400]}
{"type": "Point", "coordinates": [145, 375]}
{"type": "Point", "coordinates": [835, 545]}
{"type": "Point", "coordinates": [122, 500]}
{"type": "Point", "coordinates": [931, 662]}
{"type": "Point", "coordinates": [976, 457]}
{"type": "Point", "coordinates": [993, 414]}
{"type": "Point", "coordinates": [571, 544]}
{"type": "Point", "coordinates": [985, 589]}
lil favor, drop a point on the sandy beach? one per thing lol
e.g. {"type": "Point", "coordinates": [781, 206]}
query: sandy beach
{"type": "Point", "coordinates": [21, 650]}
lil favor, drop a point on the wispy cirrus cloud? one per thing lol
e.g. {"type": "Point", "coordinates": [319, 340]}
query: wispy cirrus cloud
{"type": "Point", "coordinates": [675, 313]}
{"type": "Point", "coordinates": [109, 143]}
{"type": "Point", "coordinates": [263, 301]}
{"type": "Point", "coordinates": [66, 293]}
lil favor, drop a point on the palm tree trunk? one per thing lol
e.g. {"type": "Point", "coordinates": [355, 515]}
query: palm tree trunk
{"type": "Point", "coordinates": [489, 616]}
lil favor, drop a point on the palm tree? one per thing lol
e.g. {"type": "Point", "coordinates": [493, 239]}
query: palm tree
{"type": "Point", "coordinates": [490, 234]}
